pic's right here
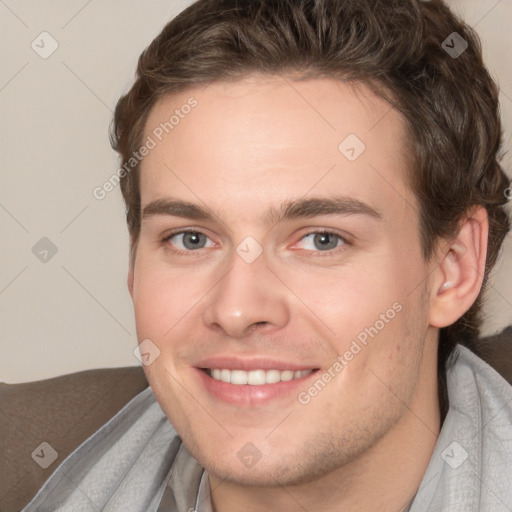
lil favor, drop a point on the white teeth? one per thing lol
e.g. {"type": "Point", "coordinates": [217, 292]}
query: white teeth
{"type": "Point", "coordinates": [225, 376]}
{"type": "Point", "coordinates": [272, 376]}
{"type": "Point", "coordinates": [256, 377]}
{"type": "Point", "coordinates": [238, 377]}
{"type": "Point", "coordinates": [287, 375]}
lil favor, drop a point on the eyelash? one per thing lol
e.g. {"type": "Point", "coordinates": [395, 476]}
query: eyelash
{"type": "Point", "coordinates": [330, 252]}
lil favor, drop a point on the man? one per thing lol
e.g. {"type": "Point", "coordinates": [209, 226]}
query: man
{"type": "Point", "coordinates": [314, 203]}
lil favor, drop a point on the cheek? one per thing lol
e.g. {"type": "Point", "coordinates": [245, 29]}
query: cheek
{"type": "Point", "coordinates": [154, 301]}
{"type": "Point", "coordinates": [151, 307]}
{"type": "Point", "coordinates": [349, 300]}
{"type": "Point", "coordinates": [373, 317]}
{"type": "Point", "coordinates": [162, 294]}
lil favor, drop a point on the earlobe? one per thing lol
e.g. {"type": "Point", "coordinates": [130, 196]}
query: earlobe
{"type": "Point", "coordinates": [458, 279]}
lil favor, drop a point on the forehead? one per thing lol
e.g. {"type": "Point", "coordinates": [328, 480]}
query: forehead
{"type": "Point", "coordinates": [275, 134]}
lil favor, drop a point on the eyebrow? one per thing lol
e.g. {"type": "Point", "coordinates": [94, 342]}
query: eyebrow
{"type": "Point", "coordinates": [288, 210]}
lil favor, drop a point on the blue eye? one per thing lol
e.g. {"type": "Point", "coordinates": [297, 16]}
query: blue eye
{"type": "Point", "coordinates": [190, 240]}
{"type": "Point", "coordinates": [323, 241]}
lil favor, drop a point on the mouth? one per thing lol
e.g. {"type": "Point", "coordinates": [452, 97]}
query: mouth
{"type": "Point", "coordinates": [254, 387]}
{"type": "Point", "coordinates": [258, 377]}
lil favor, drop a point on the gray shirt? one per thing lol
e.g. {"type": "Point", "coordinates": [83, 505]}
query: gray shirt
{"type": "Point", "coordinates": [137, 463]}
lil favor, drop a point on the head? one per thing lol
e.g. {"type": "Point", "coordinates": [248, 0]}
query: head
{"type": "Point", "coordinates": [264, 96]}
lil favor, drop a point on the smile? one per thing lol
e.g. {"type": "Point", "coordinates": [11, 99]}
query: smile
{"type": "Point", "coordinates": [255, 377]}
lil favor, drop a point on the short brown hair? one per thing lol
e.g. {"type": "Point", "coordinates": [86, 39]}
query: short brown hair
{"type": "Point", "coordinates": [450, 102]}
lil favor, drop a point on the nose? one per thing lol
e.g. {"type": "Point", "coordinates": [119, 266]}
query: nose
{"type": "Point", "coordinates": [249, 297]}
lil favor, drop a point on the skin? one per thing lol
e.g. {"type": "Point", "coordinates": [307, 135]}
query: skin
{"type": "Point", "coordinates": [364, 442]}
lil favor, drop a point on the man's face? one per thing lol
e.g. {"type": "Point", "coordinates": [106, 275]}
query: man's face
{"type": "Point", "coordinates": [249, 295]}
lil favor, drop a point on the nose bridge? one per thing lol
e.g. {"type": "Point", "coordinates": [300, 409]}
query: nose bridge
{"type": "Point", "coordinates": [249, 293]}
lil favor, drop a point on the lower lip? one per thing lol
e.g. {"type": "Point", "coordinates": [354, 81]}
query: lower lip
{"type": "Point", "coordinates": [249, 395]}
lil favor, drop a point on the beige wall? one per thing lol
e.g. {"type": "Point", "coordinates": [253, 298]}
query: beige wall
{"type": "Point", "coordinates": [73, 312]}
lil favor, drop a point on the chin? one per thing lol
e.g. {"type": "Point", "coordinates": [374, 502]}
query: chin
{"type": "Point", "coordinates": [273, 472]}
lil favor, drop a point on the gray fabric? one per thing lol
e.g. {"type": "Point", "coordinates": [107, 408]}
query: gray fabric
{"type": "Point", "coordinates": [187, 488]}
{"type": "Point", "coordinates": [124, 466]}
{"type": "Point", "coordinates": [137, 463]}
{"type": "Point", "coordinates": [479, 421]}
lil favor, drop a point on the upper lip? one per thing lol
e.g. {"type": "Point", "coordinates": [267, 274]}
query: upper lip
{"type": "Point", "coordinates": [256, 363]}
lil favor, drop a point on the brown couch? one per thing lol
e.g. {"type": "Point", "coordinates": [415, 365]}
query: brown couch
{"type": "Point", "coordinates": [63, 412]}
{"type": "Point", "coordinates": [66, 410]}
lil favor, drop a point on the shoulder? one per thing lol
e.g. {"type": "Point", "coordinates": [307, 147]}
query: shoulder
{"type": "Point", "coordinates": [480, 395]}
{"type": "Point", "coordinates": [470, 376]}
{"type": "Point", "coordinates": [495, 350]}
{"type": "Point", "coordinates": [471, 467]}
{"type": "Point", "coordinates": [126, 461]}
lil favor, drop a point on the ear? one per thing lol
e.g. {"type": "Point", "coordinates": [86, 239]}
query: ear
{"type": "Point", "coordinates": [457, 280]}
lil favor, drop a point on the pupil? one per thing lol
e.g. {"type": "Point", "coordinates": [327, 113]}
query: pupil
{"type": "Point", "coordinates": [192, 240]}
{"type": "Point", "coordinates": [324, 240]}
